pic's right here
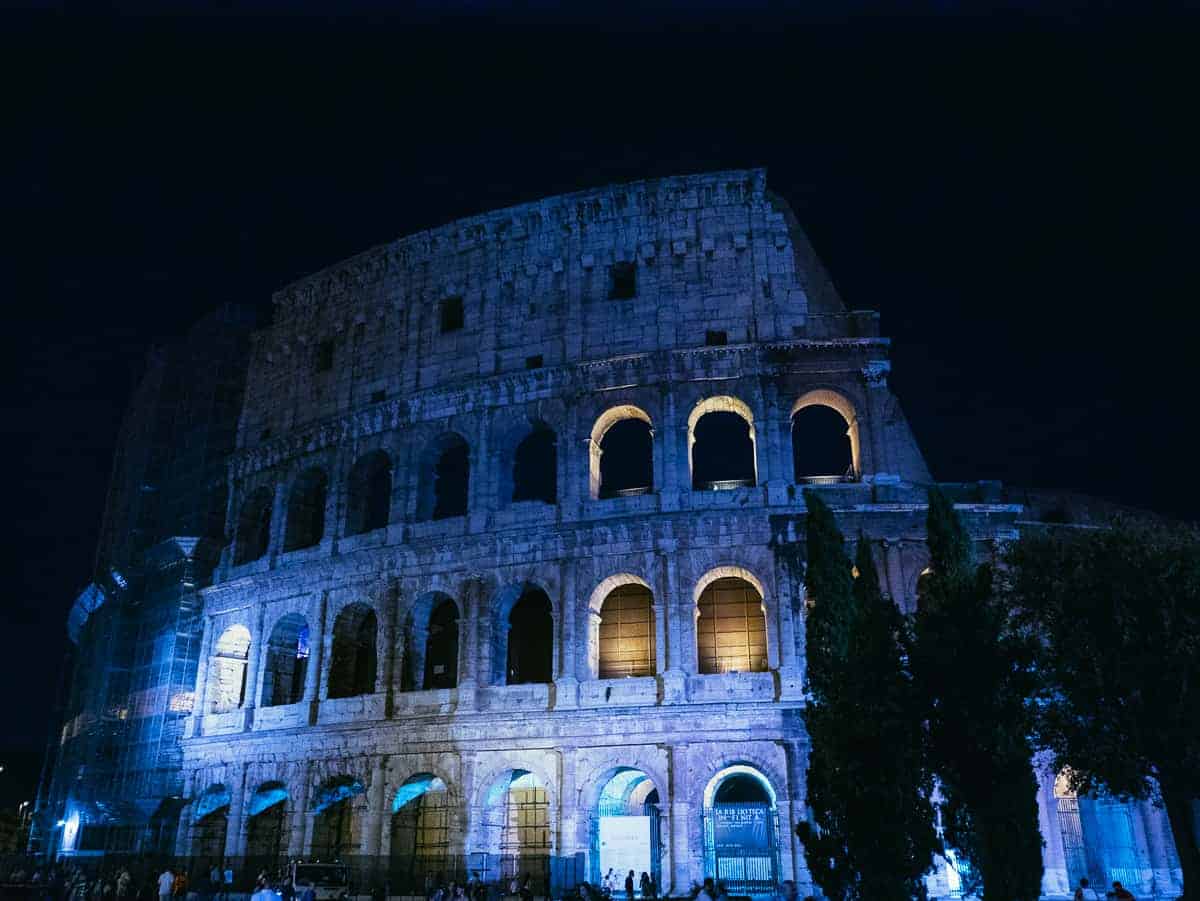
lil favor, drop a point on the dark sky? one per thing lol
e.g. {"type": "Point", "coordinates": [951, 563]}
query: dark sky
{"type": "Point", "coordinates": [1011, 185]}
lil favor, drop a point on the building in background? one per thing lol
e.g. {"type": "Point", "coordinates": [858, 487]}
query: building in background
{"type": "Point", "coordinates": [511, 578]}
{"type": "Point", "coordinates": [134, 629]}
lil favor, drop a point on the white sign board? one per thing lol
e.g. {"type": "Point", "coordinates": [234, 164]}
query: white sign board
{"type": "Point", "coordinates": [624, 846]}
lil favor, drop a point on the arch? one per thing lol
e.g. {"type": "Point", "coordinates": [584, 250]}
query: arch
{"type": "Point", "coordinates": [266, 818]}
{"type": "Point", "coordinates": [369, 493]}
{"type": "Point", "coordinates": [626, 639]}
{"type": "Point", "coordinates": [621, 453]}
{"type": "Point", "coordinates": [595, 602]}
{"type": "Point", "coordinates": [441, 646]}
{"type": "Point", "coordinates": [336, 820]}
{"type": "Point", "coordinates": [535, 466]}
{"type": "Point", "coordinates": [741, 830]}
{"type": "Point", "coordinates": [523, 637]}
{"type": "Point", "coordinates": [444, 474]}
{"type": "Point", "coordinates": [722, 449]}
{"type": "Point", "coordinates": [820, 442]}
{"type": "Point", "coordinates": [227, 670]}
{"type": "Point", "coordinates": [210, 823]}
{"type": "Point", "coordinates": [516, 822]}
{"type": "Point", "coordinates": [1098, 835]}
{"type": "Point", "coordinates": [306, 510]}
{"type": "Point", "coordinates": [287, 661]}
{"type": "Point", "coordinates": [731, 624]}
{"type": "Point", "coordinates": [253, 527]}
{"type": "Point", "coordinates": [422, 825]}
{"type": "Point", "coordinates": [625, 829]}
{"type": "Point", "coordinates": [353, 661]}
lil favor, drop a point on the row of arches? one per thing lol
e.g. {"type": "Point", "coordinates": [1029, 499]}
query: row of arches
{"type": "Point", "coordinates": [429, 827]}
{"type": "Point", "coordinates": [722, 454]}
{"type": "Point", "coordinates": [622, 641]}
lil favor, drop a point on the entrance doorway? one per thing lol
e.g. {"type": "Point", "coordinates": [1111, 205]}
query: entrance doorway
{"type": "Point", "coordinates": [626, 833]}
{"type": "Point", "coordinates": [741, 831]}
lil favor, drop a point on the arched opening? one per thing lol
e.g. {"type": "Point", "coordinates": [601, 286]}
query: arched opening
{"type": "Point", "coordinates": [622, 453]}
{"type": "Point", "coordinates": [441, 647]}
{"type": "Point", "coordinates": [266, 846]}
{"type": "Point", "coordinates": [227, 670]}
{"type": "Point", "coordinates": [210, 822]}
{"type": "Point", "coordinates": [731, 628]}
{"type": "Point", "coordinates": [369, 493]}
{"type": "Point", "coordinates": [527, 638]}
{"type": "Point", "coordinates": [352, 664]}
{"type": "Point", "coordinates": [287, 662]}
{"type": "Point", "coordinates": [444, 478]}
{"type": "Point", "coordinates": [335, 826]}
{"type": "Point", "coordinates": [535, 467]}
{"type": "Point", "coordinates": [516, 822]}
{"type": "Point", "coordinates": [1098, 837]}
{"type": "Point", "coordinates": [306, 511]}
{"type": "Point", "coordinates": [741, 831]}
{"type": "Point", "coordinates": [254, 527]}
{"type": "Point", "coordinates": [824, 439]}
{"type": "Point", "coordinates": [420, 839]}
{"type": "Point", "coordinates": [626, 833]}
{"type": "Point", "coordinates": [163, 827]}
{"type": "Point", "coordinates": [721, 442]}
{"type": "Point", "coordinates": [627, 644]}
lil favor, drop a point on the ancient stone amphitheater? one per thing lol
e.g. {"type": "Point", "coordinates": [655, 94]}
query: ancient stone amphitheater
{"type": "Point", "coordinates": [516, 577]}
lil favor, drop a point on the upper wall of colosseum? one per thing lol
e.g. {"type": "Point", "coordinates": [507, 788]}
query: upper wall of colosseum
{"type": "Point", "coordinates": [663, 264]}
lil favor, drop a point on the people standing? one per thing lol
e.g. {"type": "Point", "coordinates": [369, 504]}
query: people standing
{"type": "Point", "coordinates": [629, 886]}
{"type": "Point", "coordinates": [1121, 893]}
{"type": "Point", "coordinates": [1085, 892]}
{"type": "Point", "coordinates": [165, 883]}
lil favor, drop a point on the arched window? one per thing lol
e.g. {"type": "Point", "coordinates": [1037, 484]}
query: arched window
{"type": "Point", "coordinates": [254, 527]}
{"type": "Point", "coordinates": [335, 826]}
{"type": "Point", "coordinates": [721, 442]}
{"type": "Point", "coordinates": [627, 646]}
{"type": "Point", "coordinates": [421, 833]}
{"type": "Point", "coordinates": [227, 670]}
{"type": "Point", "coordinates": [441, 646]}
{"type": "Point", "coordinates": [530, 651]}
{"type": "Point", "coordinates": [445, 478]}
{"type": "Point", "coordinates": [626, 793]}
{"type": "Point", "coordinates": [731, 630]}
{"type": "Point", "coordinates": [741, 831]}
{"type": "Point", "coordinates": [622, 453]}
{"type": "Point", "coordinates": [210, 820]}
{"type": "Point", "coordinates": [369, 493]}
{"type": "Point", "coordinates": [265, 824]}
{"type": "Point", "coordinates": [352, 664]}
{"type": "Point", "coordinates": [306, 511]}
{"type": "Point", "coordinates": [824, 438]}
{"type": "Point", "coordinates": [516, 822]}
{"type": "Point", "coordinates": [535, 467]}
{"type": "Point", "coordinates": [287, 662]}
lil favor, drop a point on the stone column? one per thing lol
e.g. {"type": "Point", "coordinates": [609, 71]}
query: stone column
{"type": "Point", "coordinates": [1161, 842]}
{"type": "Point", "coordinates": [183, 829]}
{"type": "Point", "coordinates": [278, 521]}
{"type": "Point", "coordinates": [254, 663]}
{"type": "Point", "coordinates": [674, 677]}
{"type": "Point", "coordinates": [1054, 861]}
{"type": "Point", "coordinates": [237, 808]}
{"type": "Point", "coordinates": [684, 865]}
{"type": "Point", "coordinates": [298, 828]}
{"type": "Point", "coordinates": [376, 802]}
{"type": "Point", "coordinates": [797, 761]}
{"type": "Point", "coordinates": [567, 683]}
{"type": "Point", "coordinates": [666, 454]}
{"type": "Point", "coordinates": [198, 708]}
{"type": "Point", "coordinates": [469, 675]}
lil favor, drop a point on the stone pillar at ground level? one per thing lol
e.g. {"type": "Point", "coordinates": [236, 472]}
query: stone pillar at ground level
{"type": "Point", "coordinates": [297, 828]}
{"type": "Point", "coordinates": [237, 807]}
{"type": "Point", "coordinates": [1054, 862]}
{"type": "Point", "coordinates": [1163, 859]}
{"type": "Point", "coordinates": [376, 801]}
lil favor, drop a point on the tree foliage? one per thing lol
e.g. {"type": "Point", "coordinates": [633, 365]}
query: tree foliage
{"type": "Point", "coordinates": [872, 834]}
{"type": "Point", "coordinates": [975, 671]}
{"type": "Point", "coordinates": [1118, 613]}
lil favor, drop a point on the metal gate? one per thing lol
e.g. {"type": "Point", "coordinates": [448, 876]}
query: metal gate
{"type": "Point", "coordinates": [420, 850]}
{"type": "Point", "coordinates": [525, 838]}
{"type": "Point", "coordinates": [741, 847]}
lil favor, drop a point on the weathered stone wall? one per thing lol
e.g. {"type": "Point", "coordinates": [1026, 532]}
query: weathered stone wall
{"type": "Point", "coordinates": [712, 253]}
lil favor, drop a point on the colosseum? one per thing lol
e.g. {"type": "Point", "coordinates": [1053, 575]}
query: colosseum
{"type": "Point", "coordinates": [514, 576]}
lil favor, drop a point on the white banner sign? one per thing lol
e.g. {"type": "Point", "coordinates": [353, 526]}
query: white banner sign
{"type": "Point", "coordinates": [624, 846]}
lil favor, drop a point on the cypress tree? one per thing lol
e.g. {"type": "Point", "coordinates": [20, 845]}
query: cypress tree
{"type": "Point", "coordinates": [975, 671]}
{"type": "Point", "coordinates": [872, 833]}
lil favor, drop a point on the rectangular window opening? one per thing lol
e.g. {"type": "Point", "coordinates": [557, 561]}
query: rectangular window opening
{"type": "Point", "coordinates": [716, 338]}
{"type": "Point", "coordinates": [622, 281]}
{"type": "Point", "coordinates": [534, 362]}
{"type": "Point", "coordinates": [452, 314]}
{"type": "Point", "coordinates": [377, 396]}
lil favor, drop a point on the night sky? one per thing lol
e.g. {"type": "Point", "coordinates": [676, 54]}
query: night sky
{"type": "Point", "coordinates": [1011, 185]}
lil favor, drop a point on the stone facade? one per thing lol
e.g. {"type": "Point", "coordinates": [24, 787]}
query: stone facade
{"type": "Point", "coordinates": [319, 688]}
